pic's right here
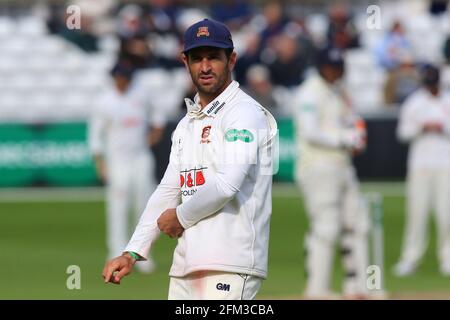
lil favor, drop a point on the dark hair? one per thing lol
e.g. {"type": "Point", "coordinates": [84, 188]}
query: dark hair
{"type": "Point", "coordinates": [122, 69]}
{"type": "Point", "coordinates": [430, 75]}
{"type": "Point", "coordinates": [228, 52]}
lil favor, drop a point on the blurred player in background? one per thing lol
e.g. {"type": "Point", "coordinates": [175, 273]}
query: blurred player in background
{"type": "Point", "coordinates": [122, 128]}
{"type": "Point", "coordinates": [216, 205]}
{"type": "Point", "coordinates": [425, 123]}
{"type": "Point", "coordinates": [329, 133]}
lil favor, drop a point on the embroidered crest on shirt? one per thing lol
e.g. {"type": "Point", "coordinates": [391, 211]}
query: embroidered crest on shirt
{"type": "Point", "coordinates": [205, 134]}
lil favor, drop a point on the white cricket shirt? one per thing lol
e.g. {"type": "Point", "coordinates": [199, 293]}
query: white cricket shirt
{"type": "Point", "coordinates": [219, 178]}
{"type": "Point", "coordinates": [119, 124]}
{"type": "Point", "coordinates": [427, 150]}
{"type": "Point", "coordinates": [322, 117]}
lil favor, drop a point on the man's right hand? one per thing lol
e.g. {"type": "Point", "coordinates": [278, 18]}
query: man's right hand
{"type": "Point", "coordinates": [117, 268]}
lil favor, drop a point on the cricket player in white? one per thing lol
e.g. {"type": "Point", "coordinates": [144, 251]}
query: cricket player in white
{"type": "Point", "coordinates": [215, 196]}
{"type": "Point", "coordinates": [425, 123]}
{"type": "Point", "coordinates": [120, 138]}
{"type": "Point", "coordinates": [327, 134]}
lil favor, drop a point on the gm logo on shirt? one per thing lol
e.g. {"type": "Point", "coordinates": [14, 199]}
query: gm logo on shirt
{"type": "Point", "coordinates": [223, 287]}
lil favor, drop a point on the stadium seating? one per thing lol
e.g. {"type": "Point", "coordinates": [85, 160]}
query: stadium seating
{"type": "Point", "coordinates": [45, 78]}
{"type": "Point", "coordinates": [364, 79]}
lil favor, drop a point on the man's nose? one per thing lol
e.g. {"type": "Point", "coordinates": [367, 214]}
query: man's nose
{"type": "Point", "coordinates": [205, 66]}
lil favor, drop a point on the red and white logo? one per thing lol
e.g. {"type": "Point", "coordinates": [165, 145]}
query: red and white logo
{"type": "Point", "coordinates": [192, 177]}
{"type": "Point", "coordinates": [202, 31]}
{"type": "Point", "coordinates": [205, 134]}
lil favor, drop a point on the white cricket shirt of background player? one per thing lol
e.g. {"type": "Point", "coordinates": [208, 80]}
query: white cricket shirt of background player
{"type": "Point", "coordinates": [428, 150]}
{"type": "Point", "coordinates": [321, 114]}
{"type": "Point", "coordinates": [226, 219]}
{"type": "Point", "coordinates": [119, 124]}
{"type": "Point", "coordinates": [325, 131]}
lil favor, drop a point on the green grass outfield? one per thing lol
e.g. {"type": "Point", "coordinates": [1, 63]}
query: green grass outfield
{"type": "Point", "coordinates": [42, 232]}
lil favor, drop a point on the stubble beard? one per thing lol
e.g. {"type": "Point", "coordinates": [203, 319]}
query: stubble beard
{"type": "Point", "coordinates": [213, 89]}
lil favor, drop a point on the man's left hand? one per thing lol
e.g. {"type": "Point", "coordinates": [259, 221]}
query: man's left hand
{"type": "Point", "coordinates": [168, 223]}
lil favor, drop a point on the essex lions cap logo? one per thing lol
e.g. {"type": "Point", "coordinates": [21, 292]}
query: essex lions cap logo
{"type": "Point", "coordinates": [207, 33]}
{"type": "Point", "coordinates": [202, 31]}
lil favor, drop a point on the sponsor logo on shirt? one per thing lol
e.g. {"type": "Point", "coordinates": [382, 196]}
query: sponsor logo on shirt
{"type": "Point", "coordinates": [205, 134]}
{"type": "Point", "coordinates": [218, 108]}
{"type": "Point", "coordinates": [223, 287]}
{"type": "Point", "coordinates": [215, 107]}
{"type": "Point", "coordinates": [190, 179]}
{"type": "Point", "coordinates": [235, 134]}
{"type": "Point", "coordinates": [215, 104]}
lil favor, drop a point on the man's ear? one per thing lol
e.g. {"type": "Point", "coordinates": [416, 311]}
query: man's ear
{"type": "Point", "coordinates": [185, 60]}
{"type": "Point", "coordinates": [232, 60]}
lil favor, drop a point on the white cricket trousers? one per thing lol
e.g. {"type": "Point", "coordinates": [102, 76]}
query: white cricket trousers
{"type": "Point", "coordinates": [214, 285]}
{"type": "Point", "coordinates": [336, 211]}
{"type": "Point", "coordinates": [427, 189]}
{"type": "Point", "coordinates": [130, 184]}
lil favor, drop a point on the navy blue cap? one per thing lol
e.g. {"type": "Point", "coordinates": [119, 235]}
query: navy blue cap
{"type": "Point", "coordinates": [207, 33]}
{"type": "Point", "coordinates": [121, 70]}
{"type": "Point", "coordinates": [330, 56]}
{"type": "Point", "coordinates": [430, 75]}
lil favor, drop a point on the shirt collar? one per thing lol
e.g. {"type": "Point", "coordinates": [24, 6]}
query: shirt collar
{"type": "Point", "coordinates": [212, 108]}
